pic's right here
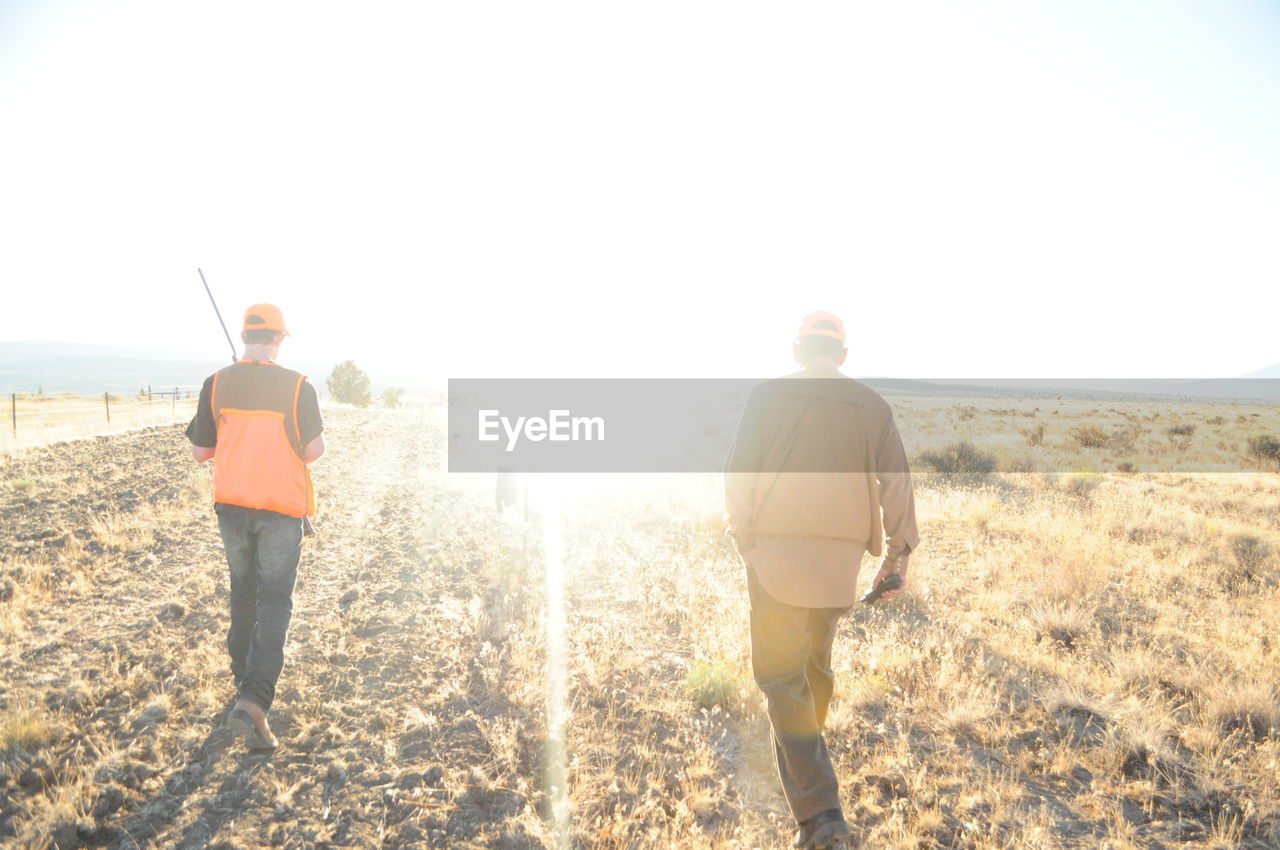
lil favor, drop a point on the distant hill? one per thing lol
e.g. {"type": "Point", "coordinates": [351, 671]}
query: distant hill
{"type": "Point", "coordinates": [95, 374]}
{"type": "Point", "coordinates": [28, 366]}
{"type": "Point", "coordinates": [1254, 388]}
{"type": "Point", "coordinates": [1272, 371]}
{"type": "Point", "coordinates": [68, 367]}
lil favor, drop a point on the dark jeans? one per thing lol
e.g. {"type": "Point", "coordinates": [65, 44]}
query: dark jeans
{"type": "Point", "coordinates": [263, 549]}
{"type": "Point", "coordinates": [791, 660]}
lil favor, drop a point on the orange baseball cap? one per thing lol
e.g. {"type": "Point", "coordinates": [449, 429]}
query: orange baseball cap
{"type": "Point", "coordinates": [264, 317]}
{"type": "Point", "coordinates": [822, 323]}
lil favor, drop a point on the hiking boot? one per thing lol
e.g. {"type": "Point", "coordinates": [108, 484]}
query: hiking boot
{"type": "Point", "coordinates": [823, 831]}
{"type": "Point", "coordinates": [249, 722]}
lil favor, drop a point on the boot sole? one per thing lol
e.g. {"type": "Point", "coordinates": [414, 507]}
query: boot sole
{"type": "Point", "coordinates": [242, 726]}
{"type": "Point", "coordinates": [831, 836]}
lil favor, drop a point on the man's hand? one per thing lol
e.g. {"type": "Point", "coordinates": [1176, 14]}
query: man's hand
{"type": "Point", "coordinates": [201, 453]}
{"type": "Point", "coordinates": [313, 450]}
{"type": "Point", "coordinates": [888, 568]}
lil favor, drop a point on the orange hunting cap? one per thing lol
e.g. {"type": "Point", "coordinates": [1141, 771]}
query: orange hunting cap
{"type": "Point", "coordinates": [822, 323]}
{"type": "Point", "coordinates": [264, 317]}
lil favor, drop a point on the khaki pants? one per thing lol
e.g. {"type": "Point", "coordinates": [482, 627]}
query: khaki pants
{"type": "Point", "coordinates": [791, 660]}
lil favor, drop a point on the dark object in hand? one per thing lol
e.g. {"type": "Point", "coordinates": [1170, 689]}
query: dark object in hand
{"type": "Point", "coordinates": [308, 527]}
{"type": "Point", "coordinates": [886, 584]}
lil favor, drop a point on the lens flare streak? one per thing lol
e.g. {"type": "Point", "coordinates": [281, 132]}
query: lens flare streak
{"type": "Point", "coordinates": [557, 713]}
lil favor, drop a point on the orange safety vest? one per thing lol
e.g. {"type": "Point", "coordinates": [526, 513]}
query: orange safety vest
{"type": "Point", "coordinates": [258, 456]}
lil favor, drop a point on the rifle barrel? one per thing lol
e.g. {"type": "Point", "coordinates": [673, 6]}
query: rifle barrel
{"type": "Point", "coordinates": [218, 312]}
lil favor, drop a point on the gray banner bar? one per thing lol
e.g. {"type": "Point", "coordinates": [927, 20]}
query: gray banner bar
{"type": "Point", "coordinates": [950, 427]}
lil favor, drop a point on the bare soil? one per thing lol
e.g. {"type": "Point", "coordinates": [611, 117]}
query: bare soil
{"type": "Point", "coordinates": [385, 700]}
{"type": "Point", "coordinates": [1080, 661]}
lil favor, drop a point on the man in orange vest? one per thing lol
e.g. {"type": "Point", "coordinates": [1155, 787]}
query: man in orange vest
{"type": "Point", "coordinates": [818, 478]}
{"type": "Point", "coordinates": [261, 424]}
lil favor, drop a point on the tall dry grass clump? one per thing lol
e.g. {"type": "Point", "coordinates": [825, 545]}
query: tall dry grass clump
{"type": "Point", "coordinates": [959, 463]}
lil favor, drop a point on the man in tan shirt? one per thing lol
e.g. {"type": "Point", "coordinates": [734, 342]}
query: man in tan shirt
{"type": "Point", "coordinates": [817, 478]}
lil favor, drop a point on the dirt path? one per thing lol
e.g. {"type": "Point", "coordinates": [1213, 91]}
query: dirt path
{"type": "Point", "coordinates": [399, 728]}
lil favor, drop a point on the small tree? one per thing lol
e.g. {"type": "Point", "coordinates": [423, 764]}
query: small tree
{"type": "Point", "coordinates": [349, 384]}
{"type": "Point", "coordinates": [391, 397]}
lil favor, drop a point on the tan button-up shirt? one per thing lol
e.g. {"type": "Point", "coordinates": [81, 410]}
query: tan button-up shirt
{"type": "Point", "coordinates": [817, 478]}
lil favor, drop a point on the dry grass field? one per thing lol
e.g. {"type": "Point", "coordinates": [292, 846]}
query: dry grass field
{"type": "Point", "coordinates": [1086, 658]}
{"type": "Point", "coordinates": [1078, 434]}
{"type": "Point", "coordinates": [33, 419]}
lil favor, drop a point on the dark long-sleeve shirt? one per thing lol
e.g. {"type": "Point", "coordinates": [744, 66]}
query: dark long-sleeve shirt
{"type": "Point", "coordinates": [818, 476]}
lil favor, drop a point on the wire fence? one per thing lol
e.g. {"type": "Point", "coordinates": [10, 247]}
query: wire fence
{"type": "Point", "coordinates": [43, 417]}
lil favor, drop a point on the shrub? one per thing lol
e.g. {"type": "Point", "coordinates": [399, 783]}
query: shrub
{"type": "Point", "coordinates": [1251, 553]}
{"type": "Point", "coordinates": [1082, 718]}
{"type": "Point", "coordinates": [711, 683]}
{"type": "Point", "coordinates": [960, 460]}
{"type": "Point", "coordinates": [1264, 447]}
{"type": "Point", "coordinates": [1089, 436]}
{"type": "Point", "coordinates": [349, 384]}
{"type": "Point", "coordinates": [1063, 624]}
{"type": "Point", "coordinates": [1249, 706]}
{"type": "Point", "coordinates": [1124, 438]}
{"type": "Point", "coordinates": [1180, 435]}
{"type": "Point", "coordinates": [1033, 435]}
{"type": "Point", "coordinates": [391, 397]}
{"type": "Point", "coordinates": [1021, 465]}
{"type": "Point", "coordinates": [1082, 482]}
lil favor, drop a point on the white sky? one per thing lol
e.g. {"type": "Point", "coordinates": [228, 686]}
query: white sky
{"type": "Point", "coordinates": [997, 189]}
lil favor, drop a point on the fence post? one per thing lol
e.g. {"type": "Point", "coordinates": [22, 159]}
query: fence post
{"type": "Point", "coordinates": [106, 400]}
{"type": "Point", "coordinates": [148, 394]}
{"type": "Point", "coordinates": [174, 407]}
{"type": "Point", "coordinates": [13, 412]}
